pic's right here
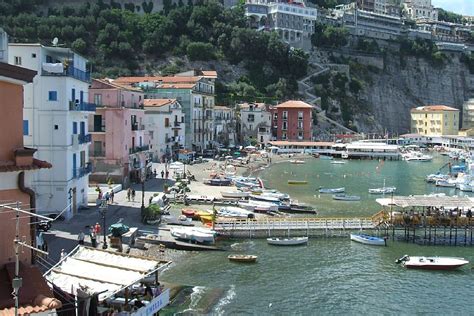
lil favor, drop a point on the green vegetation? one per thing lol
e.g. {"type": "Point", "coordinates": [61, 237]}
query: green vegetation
{"type": "Point", "coordinates": [367, 46]}
{"type": "Point", "coordinates": [422, 48]}
{"type": "Point", "coordinates": [452, 17]}
{"type": "Point", "coordinates": [468, 59]}
{"type": "Point", "coordinates": [329, 36]}
{"type": "Point", "coordinates": [117, 41]}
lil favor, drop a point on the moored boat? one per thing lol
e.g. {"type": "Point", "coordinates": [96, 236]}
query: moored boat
{"type": "Point", "coordinates": [338, 162]}
{"type": "Point", "coordinates": [258, 206]}
{"type": "Point", "coordinates": [287, 241]}
{"type": "Point", "coordinates": [298, 162]}
{"type": "Point", "coordinates": [219, 182]}
{"type": "Point", "coordinates": [384, 190]}
{"type": "Point", "coordinates": [332, 191]}
{"type": "Point", "coordinates": [193, 234]}
{"type": "Point", "coordinates": [345, 197]}
{"type": "Point", "coordinates": [297, 182]}
{"type": "Point", "coordinates": [369, 240]}
{"type": "Point", "coordinates": [445, 183]}
{"type": "Point", "coordinates": [234, 194]}
{"type": "Point", "coordinates": [432, 263]}
{"type": "Point", "coordinates": [243, 258]}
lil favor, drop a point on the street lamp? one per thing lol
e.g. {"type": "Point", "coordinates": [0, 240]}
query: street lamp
{"type": "Point", "coordinates": [103, 211]}
{"type": "Point", "coordinates": [143, 191]}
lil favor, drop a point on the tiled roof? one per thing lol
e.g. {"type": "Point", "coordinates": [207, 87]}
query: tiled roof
{"type": "Point", "coordinates": [176, 86]}
{"type": "Point", "coordinates": [15, 72]}
{"type": "Point", "coordinates": [433, 108]}
{"type": "Point", "coordinates": [37, 164]}
{"type": "Point", "coordinates": [210, 74]}
{"type": "Point", "coordinates": [293, 104]}
{"type": "Point", "coordinates": [114, 84]}
{"type": "Point", "coordinates": [157, 102]}
{"type": "Point", "coordinates": [170, 79]}
{"type": "Point", "coordinates": [288, 143]}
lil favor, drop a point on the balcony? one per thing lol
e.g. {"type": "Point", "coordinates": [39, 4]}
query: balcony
{"type": "Point", "coordinates": [137, 149]}
{"type": "Point", "coordinates": [82, 171]}
{"type": "Point", "coordinates": [83, 106]}
{"type": "Point", "coordinates": [69, 72]}
{"type": "Point", "coordinates": [85, 138]}
{"type": "Point", "coordinates": [137, 127]}
{"type": "Point", "coordinates": [97, 153]}
{"type": "Point", "coordinates": [176, 124]}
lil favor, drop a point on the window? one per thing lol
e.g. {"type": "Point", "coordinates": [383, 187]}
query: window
{"type": "Point", "coordinates": [300, 135]}
{"type": "Point", "coordinates": [251, 118]}
{"type": "Point", "coordinates": [167, 122]}
{"type": "Point", "coordinates": [285, 115]}
{"type": "Point", "coordinates": [33, 55]}
{"type": "Point", "coordinates": [98, 99]}
{"type": "Point", "coordinates": [283, 135]}
{"type": "Point", "coordinates": [275, 116]}
{"type": "Point", "coordinates": [17, 60]}
{"type": "Point", "coordinates": [300, 115]}
{"type": "Point", "coordinates": [26, 130]}
{"type": "Point", "coordinates": [53, 96]}
{"type": "Point", "coordinates": [285, 126]}
{"type": "Point", "coordinates": [56, 127]}
{"type": "Point", "coordinates": [300, 124]}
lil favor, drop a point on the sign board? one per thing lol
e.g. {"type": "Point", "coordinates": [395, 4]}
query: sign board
{"type": "Point", "coordinates": [155, 305]}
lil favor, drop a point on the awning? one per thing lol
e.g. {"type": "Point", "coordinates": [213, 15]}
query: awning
{"type": "Point", "coordinates": [427, 200]}
{"type": "Point", "coordinates": [101, 271]}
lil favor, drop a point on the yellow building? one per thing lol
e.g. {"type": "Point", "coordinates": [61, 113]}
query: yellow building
{"type": "Point", "coordinates": [435, 120]}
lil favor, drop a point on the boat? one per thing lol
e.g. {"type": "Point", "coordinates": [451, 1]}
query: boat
{"type": "Point", "coordinates": [189, 213]}
{"type": "Point", "coordinates": [206, 219]}
{"type": "Point", "coordinates": [234, 194]}
{"type": "Point", "coordinates": [193, 234]}
{"type": "Point", "coordinates": [332, 191]}
{"type": "Point", "coordinates": [287, 241]}
{"type": "Point", "coordinates": [338, 162]}
{"type": "Point", "coordinates": [233, 211]}
{"type": "Point", "coordinates": [270, 193]}
{"type": "Point", "coordinates": [369, 240]}
{"type": "Point", "coordinates": [432, 178]}
{"type": "Point", "coordinates": [345, 197]}
{"type": "Point", "coordinates": [242, 182]}
{"type": "Point", "coordinates": [417, 156]}
{"type": "Point", "coordinates": [243, 258]}
{"type": "Point", "coordinates": [266, 198]}
{"type": "Point", "coordinates": [325, 157]}
{"type": "Point", "coordinates": [258, 206]}
{"type": "Point", "coordinates": [298, 162]}
{"type": "Point", "coordinates": [465, 187]}
{"type": "Point", "coordinates": [445, 183]}
{"type": "Point", "coordinates": [432, 263]}
{"type": "Point", "coordinates": [219, 181]}
{"type": "Point", "coordinates": [383, 190]}
{"type": "Point", "coordinates": [297, 182]}
{"type": "Point", "coordinates": [345, 156]}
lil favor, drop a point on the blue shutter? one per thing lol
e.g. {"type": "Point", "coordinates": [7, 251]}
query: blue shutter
{"type": "Point", "coordinates": [52, 95]}
{"type": "Point", "coordinates": [74, 128]}
{"type": "Point", "coordinates": [26, 130]}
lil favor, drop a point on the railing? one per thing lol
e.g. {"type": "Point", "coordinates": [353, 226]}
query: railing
{"type": "Point", "coordinates": [176, 124]}
{"type": "Point", "coordinates": [70, 72]}
{"type": "Point", "coordinates": [82, 106]}
{"type": "Point", "coordinates": [82, 171]}
{"type": "Point", "coordinates": [85, 138]}
{"type": "Point", "coordinates": [99, 129]}
{"type": "Point", "coordinates": [97, 153]}
{"type": "Point", "coordinates": [138, 149]}
{"type": "Point", "coordinates": [138, 127]}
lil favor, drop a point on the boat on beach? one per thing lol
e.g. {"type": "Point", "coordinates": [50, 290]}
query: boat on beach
{"type": "Point", "coordinates": [193, 234]}
{"type": "Point", "coordinates": [297, 182]}
{"type": "Point", "coordinates": [218, 181]}
{"type": "Point", "coordinates": [297, 162]}
{"type": "Point", "coordinates": [234, 194]}
{"type": "Point", "coordinates": [332, 191]}
{"type": "Point", "coordinates": [368, 240]}
{"type": "Point", "coordinates": [345, 197]}
{"type": "Point", "coordinates": [233, 211]}
{"type": "Point", "coordinates": [258, 206]}
{"type": "Point", "coordinates": [432, 263]}
{"type": "Point", "coordinates": [243, 258]}
{"type": "Point", "coordinates": [295, 241]}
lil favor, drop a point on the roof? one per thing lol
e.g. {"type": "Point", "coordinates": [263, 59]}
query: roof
{"type": "Point", "coordinates": [433, 108]}
{"type": "Point", "coordinates": [176, 86]}
{"type": "Point", "coordinates": [212, 74]}
{"type": "Point", "coordinates": [101, 271]}
{"type": "Point", "coordinates": [247, 105]}
{"type": "Point", "coordinates": [222, 108]}
{"type": "Point", "coordinates": [111, 83]}
{"type": "Point", "coordinates": [294, 104]}
{"type": "Point", "coordinates": [10, 166]}
{"type": "Point", "coordinates": [427, 200]}
{"type": "Point", "coordinates": [17, 73]}
{"type": "Point", "coordinates": [157, 102]}
{"type": "Point", "coordinates": [33, 295]}
{"type": "Point", "coordinates": [288, 143]}
{"type": "Point", "coordinates": [170, 79]}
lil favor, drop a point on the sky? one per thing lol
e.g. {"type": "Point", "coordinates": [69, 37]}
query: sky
{"type": "Point", "coordinates": [465, 7]}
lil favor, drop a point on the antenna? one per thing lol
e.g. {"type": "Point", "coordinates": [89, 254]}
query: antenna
{"type": "Point", "coordinates": [55, 41]}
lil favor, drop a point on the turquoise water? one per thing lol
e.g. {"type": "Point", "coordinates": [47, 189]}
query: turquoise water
{"type": "Point", "coordinates": [333, 276]}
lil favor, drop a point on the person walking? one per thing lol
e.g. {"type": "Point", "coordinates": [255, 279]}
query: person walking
{"type": "Point", "coordinates": [133, 195]}
{"type": "Point", "coordinates": [107, 197]}
{"type": "Point", "coordinates": [162, 174]}
{"type": "Point", "coordinates": [129, 193]}
{"type": "Point", "coordinates": [93, 239]}
{"type": "Point", "coordinates": [81, 237]}
{"type": "Point", "coordinates": [167, 173]}
{"type": "Point", "coordinates": [63, 254]}
{"type": "Point", "coordinates": [97, 228]}
{"type": "Point", "coordinates": [112, 195]}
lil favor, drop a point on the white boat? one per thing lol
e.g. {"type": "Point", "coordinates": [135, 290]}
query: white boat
{"type": "Point", "coordinates": [287, 241]}
{"type": "Point", "coordinates": [384, 190]}
{"type": "Point", "coordinates": [445, 183]}
{"type": "Point", "coordinates": [338, 162]}
{"type": "Point", "coordinates": [235, 194]}
{"type": "Point", "coordinates": [344, 197]}
{"type": "Point", "coordinates": [298, 162]}
{"type": "Point", "coordinates": [263, 206]}
{"type": "Point", "coordinates": [344, 155]}
{"type": "Point", "coordinates": [417, 156]}
{"type": "Point", "coordinates": [432, 178]}
{"type": "Point", "coordinates": [266, 198]}
{"type": "Point", "coordinates": [332, 191]}
{"type": "Point", "coordinates": [432, 263]}
{"type": "Point", "coordinates": [368, 240]}
{"type": "Point", "coordinates": [465, 187]}
{"type": "Point", "coordinates": [271, 193]}
{"type": "Point", "coordinates": [194, 234]}
{"type": "Point", "coordinates": [233, 211]}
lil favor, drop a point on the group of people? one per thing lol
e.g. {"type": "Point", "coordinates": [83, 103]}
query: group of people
{"type": "Point", "coordinates": [94, 231]}
{"type": "Point", "coordinates": [107, 196]}
{"type": "Point", "coordinates": [131, 194]}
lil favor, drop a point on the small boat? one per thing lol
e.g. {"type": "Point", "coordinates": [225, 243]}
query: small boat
{"type": "Point", "coordinates": [258, 206]}
{"type": "Point", "coordinates": [465, 187]}
{"type": "Point", "coordinates": [432, 178]}
{"type": "Point", "coordinates": [234, 194]}
{"type": "Point", "coordinates": [325, 157]}
{"type": "Point", "coordinates": [369, 240]}
{"type": "Point", "coordinates": [193, 234]}
{"type": "Point", "coordinates": [219, 182]}
{"type": "Point", "coordinates": [298, 162]}
{"type": "Point", "coordinates": [297, 182]}
{"type": "Point", "coordinates": [243, 258]}
{"type": "Point", "coordinates": [287, 241]}
{"type": "Point", "coordinates": [338, 162]}
{"type": "Point", "coordinates": [384, 190]}
{"type": "Point", "coordinates": [246, 183]}
{"type": "Point", "coordinates": [270, 193]}
{"type": "Point", "coordinates": [206, 219]}
{"type": "Point", "coordinates": [233, 211]}
{"type": "Point", "coordinates": [344, 197]}
{"type": "Point", "coordinates": [445, 184]}
{"type": "Point", "coordinates": [266, 198]}
{"type": "Point", "coordinates": [332, 191]}
{"type": "Point", "coordinates": [190, 213]}
{"type": "Point", "coordinates": [417, 156]}
{"type": "Point", "coordinates": [432, 263]}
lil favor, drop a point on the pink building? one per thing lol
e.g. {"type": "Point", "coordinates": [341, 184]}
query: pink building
{"type": "Point", "coordinates": [292, 121]}
{"type": "Point", "coordinates": [120, 141]}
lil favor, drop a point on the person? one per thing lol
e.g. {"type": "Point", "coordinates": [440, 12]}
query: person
{"type": "Point", "coordinates": [129, 193]}
{"type": "Point", "coordinates": [100, 194]}
{"type": "Point", "coordinates": [150, 200]}
{"type": "Point", "coordinates": [133, 195]}
{"type": "Point", "coordinates": [63, 254]}
{"type": "Point", "coordinates": [148, 293]}
{"type": "Point", "coordinates": [167, 173]}
{"type": "Point", "coordinates": [162, 174]}
{"type": "Point", "coordinates": [81, 237]}
{"type": "Point", "coordinates": [97, 228]}
{"type": "Point", "coordinates": [154, 173]}
{"type": "Point", "coordinates": [112, 195]}
{"type": "Point", "coordinates": [40, 241]}
{"type": "Point", "coordinates": [93, 239]}
{"type": "Point", "coordinates": [107, 197]}
{"type": "Point", "coordinates": [157, 290]}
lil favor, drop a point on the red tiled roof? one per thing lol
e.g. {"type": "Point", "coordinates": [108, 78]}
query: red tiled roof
{"type": "Point", "coordinates": [433, 108]}
{"type": "Point", "coordinates": [289, 143]}
{"type": "Point", "coordinates": [293, 104]}
{"type": "Point", "coordinates": [37, 164]}
{"type": "Point", "coordinates": [114, 84]}
{"type": "Point", "coordinates": [176, 86]}
{"type": "Point", "coordinates": [157, 102]}
{"type": "Point", "coordinates": [210, 74]}
{"type": "Point", "coordinates": [170, 79]}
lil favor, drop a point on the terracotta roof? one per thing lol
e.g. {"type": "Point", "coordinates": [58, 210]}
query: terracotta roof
{"type": "Point", "coordinates": [170, 79]}
{"type": "Point", "coordinates": [17, 73]}
{"type": "Point", "coordinates": [176, 86]}
{"type": "Point", "coordinates": [257, 105]}
{"type": "Point", "coordinates": [157, 102]}
{"type": "Point", "coordinates": [293, 104]}
{"type": "Point", "coordinates": [210, 74]}
{"type": "Point", "coordinates": [10, 166]}
{"type": "Point", "coordinates": [288, 143]}
{"type": "Point", "coordinates": [433, 108]}
{"type": "Point", "coordinates": [113, 84]}
{"type": "Point", "coordinates": [222, 108]}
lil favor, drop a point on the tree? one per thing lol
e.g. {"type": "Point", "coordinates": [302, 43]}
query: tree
{"type": "Point", "coordinates": [200, 51]}
{"type": "Point", "coordinates": [79, 46]}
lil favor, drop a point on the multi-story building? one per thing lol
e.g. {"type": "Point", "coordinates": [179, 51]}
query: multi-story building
{"type": "Point", "coordinates": [444, 31]}
{"type": "Point", "coordinates": [164, 120]}
{"type": "Point", "coordinates": [370, 24]}
{"type": "Point", "coordinates": [435, 120]}
{"type": "Point", "coordinates": [3, 46]}
{"type": "Point", "coordinates": [468, 114]}
{"type": "Point", "coordinates": [225, 125]}
{"type": "Point", "coordinates": [196, 95]}
{"type": "Point", "coordinates": [386, 7]}
{"type": "Point", "coordinates": [415, 9]}
{"type": "Point", "coordinates": [119, 138]}
{"type": "Point", "coordinates": [56, 113]}
{"type": "Point", "coordinates": [293, 20]}
{"type": "Point", "coordinates": [368, 5]}
{"type": "Point", "coordinates": [254, 117]}
{"type": "Point", "coordinates": [292, 121]}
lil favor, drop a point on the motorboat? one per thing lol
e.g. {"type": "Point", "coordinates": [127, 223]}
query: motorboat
{"type": "Point", "coordinates": [445, 183]}
{"type": "Point", "coordinates": [243, 258]}
{"type": "Point", "coordinates": [432, 263]}
{"type": "Point", "coordinates": [297, 182]}
{"type": "Point", "coordinates": [257, 206]}
{"type": "Point", "coordinates": [432, 178]}
{"type": "Point", "coordinates": [219, 181]}
{"type": "Point", "coordinates": [194, 234]}
{"type": "Point", "coordinates": [332, 191]}
{"type": "Point", "coordinates": [369, 240]}
{"type": "Point", "coordinates": [465, 187]}
{"type": "Point", "coordinates": [266, 198]}
{"type": "Point", "coordinates": [384, 190]}
{"type": "Point", "coordinates": [325, 157]}
{"type": "Point", "coordinates": [417, 156]}
{"type": "Point", "coordinates": [338, 162]}
{"type": "Point", "coordinates": [243, 182]}
{"type": "Point", "coordinates": [271, 193]}
{"type": "Point", "coordinates": [298, 162]}
{"type": "Point", "coordinates": [295, 241]}
{"type": "Point", "coordinates": [233, 211]}
{"type": "Point", "coordinates": [345, 197]}
{"type": "Point", "coordinates": [235, 194]}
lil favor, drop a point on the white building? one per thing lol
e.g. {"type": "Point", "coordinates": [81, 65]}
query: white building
{"type": "Point", "coordinates": [3, 46]}
{"type": "Point", "coordinates": [254, 117]}
{"type": "Point", "coordinates": [468, 114]}
{"type": "Point", "coordinates": [370, 24]}
{"type": "Point", "coordinates": [416, 9]}
{"type": "Point", "coordinates": [164, 119]}
{"type": "Point", "coordinates": [225, 125]}
{"type": "Point", "coordinates": [55, 116]}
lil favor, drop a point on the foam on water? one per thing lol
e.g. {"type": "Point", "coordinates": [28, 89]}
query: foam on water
{"type": "Point", "coordinates": [226, 299]}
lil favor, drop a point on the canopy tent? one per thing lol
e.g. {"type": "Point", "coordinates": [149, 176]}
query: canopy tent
{"type": "Point", "coordinates": [427, 200]}
{"type": "Point", "coordinates": [176, 165]}
{"type": "Point", "coordinates": [100, 271]}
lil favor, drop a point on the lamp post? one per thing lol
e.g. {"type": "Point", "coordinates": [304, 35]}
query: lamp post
{"type": "Point", "coordinates": [103, 211]}
{"type": "Point", "coordinates": [143, 175]}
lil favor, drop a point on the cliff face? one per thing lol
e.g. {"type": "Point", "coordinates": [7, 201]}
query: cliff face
{"type": "Point", "coordinates": [395, 90]}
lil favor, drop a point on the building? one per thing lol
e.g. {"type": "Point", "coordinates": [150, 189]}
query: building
{"type": "Point", "coordinates": [225, 126]}
{"type": "Point", "coordinates": [468, 114]}
{"type": "Point", "coordinates": [119, 138]}
{"type": "Point", "coordinates": [164, 121]}
{"type": "Point", "coordinates": [371, 24]}
{"type": "Point", "coordinates": [196, 94]}
{"type": "Point", "coordinates": [292, 121]}
{"type": "Point", "coordinates": [56, 113]}
{"type": "Point", "coordinates": [255, 123]}
{"type": "Point", "coordinates": [435, 120]}
{"type": "Point", "coordinates": [444, 31]}
{"type": "Point", "coordinates": [385, 7]}
{"type": "Point", "coordinates": [3, 46]}
{"type": "Point", "coordinates": [415, 9]}
{"type": "Point", "coordinates": [293, 20]}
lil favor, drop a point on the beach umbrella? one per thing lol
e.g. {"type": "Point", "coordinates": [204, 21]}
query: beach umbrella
{"type": "Point", "coordinates": [250, 147]}
{"type": "Point", "coordinates": [176, 165]}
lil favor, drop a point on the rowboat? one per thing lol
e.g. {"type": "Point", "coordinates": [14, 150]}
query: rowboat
{"type": "Point", "coordinates": [368, 240]}
{"type": "Point", "coordinates": [338, 162]}
{"type": "Point", "coordinates": [432, 263]}
{"type": "Point", "coordinates": [190, 213]}
{"type": "Point", "coordinates": [233, 211]}
{"type": "Point", "coordinates": [243, 258]}
{"type": "Point", "coordinates": [344, 197]}
{"type": "Point", "coordinates": [219, 182]}
{"type": "Point", "coordinates": [445, 183]}
{"type": "Point", "coordinates": [297, 182]}
{"type": "Point", "coordinates": [298, 162]}
{"type": "Point", "coordinates": [266, 198]}
{"type": "Point", "coordinates": [332, 191]}
{"type": "Point", "coordinates": [206, 219]}
{"type": "Point", "coordinates": [384, 190]}
{"type": "Point", "coordinates": [234, 194]}
{"type": "Point", "coordinates": [193, 234]}
{"type": "Point", "coordinates": [287, 241]}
